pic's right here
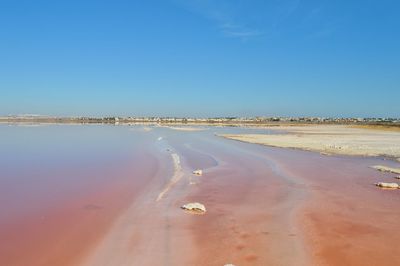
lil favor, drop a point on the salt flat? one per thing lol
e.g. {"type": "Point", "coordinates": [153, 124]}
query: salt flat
{"type": "Point", "coordinates": [329, 139]}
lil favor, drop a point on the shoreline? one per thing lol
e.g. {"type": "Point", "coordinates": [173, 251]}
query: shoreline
{"type": "Point", "coordinates": [253, 123]}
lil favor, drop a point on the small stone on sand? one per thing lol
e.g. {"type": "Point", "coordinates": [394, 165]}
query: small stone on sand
{"type": "Point", "coordinates": [194, 207]}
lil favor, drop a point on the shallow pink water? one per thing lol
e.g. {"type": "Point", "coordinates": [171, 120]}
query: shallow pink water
{"type": "Point", "coordinates": [61, 187]}
{"type": "Point", "coordinates": [73, 194]}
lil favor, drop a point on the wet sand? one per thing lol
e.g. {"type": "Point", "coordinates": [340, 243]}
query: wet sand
{"type": "Point", "coordinates": [265, 206]}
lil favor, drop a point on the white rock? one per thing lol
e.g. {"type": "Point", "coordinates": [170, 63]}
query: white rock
{"type": "Point", "coordinates": [198, 172]}
{"type": "Point", "coordinates": [387, 185]}
{"type": "Point", "coordinates": [397, 177]}
{"type": "Point", "coordinates": [194, 207]}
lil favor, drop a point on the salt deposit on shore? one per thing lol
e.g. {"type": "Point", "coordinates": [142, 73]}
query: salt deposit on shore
{"type": "Point", "coordinates": [388, 185]}
{"type": "Point", "coordinates": [387, 169]}
{"type": "Point", "coordinates": [178, 174]}
{"type": "Point", "coordinates": [198, 172]}
{"type": "Point", "coordinates": [195, 207]}
{"type": "Point", "coordinates": [325, 139]}
{"type": "Point", "coordinates": [187, 128]}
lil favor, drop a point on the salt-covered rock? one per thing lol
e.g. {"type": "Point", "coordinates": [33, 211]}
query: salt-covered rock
{"type": "Point", "coordinates": [194, 207]}
{"type": "Point", "coordinates": [198, 172]}
{"type": "Point", "coordinates": [397, 177]}
{"type": "Point", "coordinates": [387, 185]}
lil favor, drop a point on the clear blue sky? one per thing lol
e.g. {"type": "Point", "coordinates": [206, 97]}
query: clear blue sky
{"type": "Point", "coordinates": [200, 57]}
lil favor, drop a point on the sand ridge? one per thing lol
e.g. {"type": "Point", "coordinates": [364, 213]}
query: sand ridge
{"type": "Point", "coordinates": [178, 174]}
{"type": "Point", "coordinates": [387, 169]}
{"type": "Point", "coordinates": [186, 128]}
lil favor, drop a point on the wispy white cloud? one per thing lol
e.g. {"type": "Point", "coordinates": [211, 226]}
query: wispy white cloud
{"type": "Point", "coordinates": [237, 31]}
{"type": "Point", "coordinates": [316, 24]}
{"type": "Point", "coordinates": [223, 13]}
{"type": "Point", "coordinates": [246, 20]}
{"type": "Point", "coordinates": [287, 9]}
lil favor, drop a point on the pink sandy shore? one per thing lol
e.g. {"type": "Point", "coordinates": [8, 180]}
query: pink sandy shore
{"type": "Point", "coordinates": [265, 206]}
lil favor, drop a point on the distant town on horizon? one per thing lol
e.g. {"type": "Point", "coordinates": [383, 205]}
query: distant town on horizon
{"type": "Point", "coordinates": [31, 118]}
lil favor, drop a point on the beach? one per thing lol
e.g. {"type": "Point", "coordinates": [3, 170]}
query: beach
{"type": "Point", "coordinates": [331, 139]}
{"type": "Point", "coordinates": [265, 205]}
